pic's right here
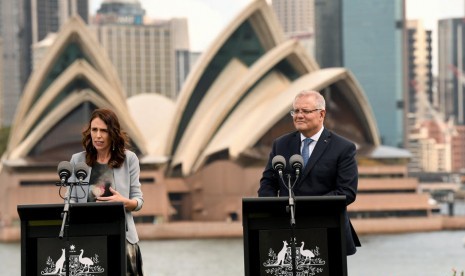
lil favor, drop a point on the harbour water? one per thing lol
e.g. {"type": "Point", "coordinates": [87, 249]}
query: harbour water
{"type": "Point", "coordinates": [413, 254]}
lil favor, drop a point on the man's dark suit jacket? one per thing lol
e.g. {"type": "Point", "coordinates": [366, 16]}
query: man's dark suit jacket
{"type": "Point", "coordinates": [331, 170]}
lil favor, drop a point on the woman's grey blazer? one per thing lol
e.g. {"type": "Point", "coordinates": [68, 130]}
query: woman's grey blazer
{"type": "Point", "coordinates": [126, 183]}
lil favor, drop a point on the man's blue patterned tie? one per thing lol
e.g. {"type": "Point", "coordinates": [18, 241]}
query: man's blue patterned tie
{"type": "Point", "coordinates": [305, 153]}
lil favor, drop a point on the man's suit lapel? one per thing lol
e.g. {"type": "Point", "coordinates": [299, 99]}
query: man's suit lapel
{"type": "Point", "coordinates": [295, 144]}
{"type": "Point", "coordinates": [320, 147]}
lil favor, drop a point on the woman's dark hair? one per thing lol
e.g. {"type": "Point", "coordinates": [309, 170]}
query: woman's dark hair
{"type": "Point", "coordinates": [118, 138]}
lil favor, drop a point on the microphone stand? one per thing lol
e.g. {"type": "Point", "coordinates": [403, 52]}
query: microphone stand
{"type": "Point", "coordinates": [65, 225]}
{"type": "Point", "coordinates": [64, 214]}
{"type": "Point", "coordinates": [64, 231]}
{"type": "Point", "coordinates": [291, 209]}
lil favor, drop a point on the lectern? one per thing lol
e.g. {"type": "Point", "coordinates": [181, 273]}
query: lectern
{"type": "Point", "coordinates": [318, 234]}
{"type": "Point", "coordinates": [95, 238]}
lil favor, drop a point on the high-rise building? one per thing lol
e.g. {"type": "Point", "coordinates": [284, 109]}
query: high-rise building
{"type": "Point", "coordinates": [436, 139]}
{"type": "Point", "coordinates": [428, 135]}
{"type": "Point", "coordinates": [451, 98]}
{"type": "Point", "coordinates": [183, 61]}
{"type": "Point", "coordinates": [367, 37]}
{"type": "Point", "coordinates": [126, 12]}
{"type": "Point", "coordinates": [430, 142]}
{"type": "Point", "coordinates": [458, 149]}
{"type": "Point", "coordinates": [143, 56]}
{"type": "Point", "coordinates": [328, 33]}
{"type": "Point", "coordinates": [420, 73]}
{"type": "Point", "coordinates": [24, 23]}
{"type": "Point", "coordinates": [1, 83]}
{"type": "Point", "coordinates": [149, 58]}
{"type": "Point", "coordinates": [69, 8]}
{"type": "Point", "coordinates": [193, 57]}
{"type": "Point", "coordinates": [14, 54]}
{"type": "Point", "coordinates": [48, 15]}
{"type": "Point", "coordinates": [297, 17]}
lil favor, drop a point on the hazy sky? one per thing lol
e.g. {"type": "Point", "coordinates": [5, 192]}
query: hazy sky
{"type": "Point", "coordinates": [206, 18]}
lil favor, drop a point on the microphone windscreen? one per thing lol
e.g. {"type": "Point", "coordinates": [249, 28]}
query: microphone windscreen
{"type": "Point", "coordinates": [64, 169]}
{"type": "Point", "coordinates": [278, 162]}
{"type": "Point", "coordinates": [80, 170]}
{"type": "Point", "coordinates": [296, 161]}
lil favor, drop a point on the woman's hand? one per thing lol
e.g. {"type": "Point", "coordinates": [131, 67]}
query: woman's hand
{"type": "Point", "coordinates": [117, 197]}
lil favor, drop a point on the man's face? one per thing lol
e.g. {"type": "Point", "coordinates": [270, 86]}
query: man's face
{"type": "Point", "coordinates": [307, 119]}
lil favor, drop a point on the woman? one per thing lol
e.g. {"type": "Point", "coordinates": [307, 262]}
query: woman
{"type": "Point", "coordinates": [113, 175]}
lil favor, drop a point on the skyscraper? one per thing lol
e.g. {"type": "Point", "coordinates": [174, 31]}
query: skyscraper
{"type": "Point", "coordinates": [451, 81]}
{"type": "Point", "coordinates": [182, 48]}
{"type": "Point", "coordinates": [24, 23]}
{"type": "Point", "coordinates": [297, 17]}
{"type": "Point", "coordinates": [420, 72]}
{"type": "Point", "coordinates": [1, 82]}
{"type": "Point", "coordinates": [126, 12]}
{"type": "Point", "coordinates": [430, 152]}
{"type": "Point", "coordinates": [48, 15]}
{"type": "Point", "coordinates": [15, 54]}
{"type": "Point", "coordinates": [143, 56]}
{"type": "Point", "coordinates": [367, 37]}
{"type": "Point", "coordinates": [149, 58]}
{"type": "Point", "coordinates": [451, 98]}
{"type": "Point", "coordinates": [328, 33]}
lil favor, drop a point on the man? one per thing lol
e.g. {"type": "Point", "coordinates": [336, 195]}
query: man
{"type": "Point", "coordinates": [331, 168]}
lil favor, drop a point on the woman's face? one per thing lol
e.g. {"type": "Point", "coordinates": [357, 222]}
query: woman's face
{"type": "Point", "coordinates": [100, 136]}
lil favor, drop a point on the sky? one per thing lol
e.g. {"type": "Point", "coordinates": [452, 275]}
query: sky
{"type": "Point", "coordinates": [206, 18]}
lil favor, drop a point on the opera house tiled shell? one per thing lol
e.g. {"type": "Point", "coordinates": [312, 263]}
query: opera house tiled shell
{"type": "Point", "coordinates": [199, 154]}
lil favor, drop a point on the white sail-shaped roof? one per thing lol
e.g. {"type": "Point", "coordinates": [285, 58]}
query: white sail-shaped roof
{"type": "Point", "coordinates": [74, 71]}
{"type": "Point", "coordinates": [247, 96]}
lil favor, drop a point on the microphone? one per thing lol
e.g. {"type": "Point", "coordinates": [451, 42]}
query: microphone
{"type": "Point", "coordinates": [296, 162]}
{"type": "Point", "coordinates": [64, 171]}
{"type": "Point", "coordinates": [80, 171]}
{"type": "Point", "coordinates": [278, 163]}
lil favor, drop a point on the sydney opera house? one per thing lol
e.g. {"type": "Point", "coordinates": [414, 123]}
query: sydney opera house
{"type": "Point", "coordinates": [205, 151]}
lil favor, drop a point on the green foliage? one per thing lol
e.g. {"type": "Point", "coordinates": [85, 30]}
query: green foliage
{"type": "Point", "coordinates": [4, 134]}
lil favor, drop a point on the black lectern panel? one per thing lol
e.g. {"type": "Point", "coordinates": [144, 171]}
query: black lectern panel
{"type": "Point", "coordinates": [320, 243]}
{"type": "Point", "coordinates": [95, 238]}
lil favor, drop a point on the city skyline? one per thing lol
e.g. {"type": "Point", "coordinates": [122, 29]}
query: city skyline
{"type": "Point", "coordinates": [430, 12]}
{"type": "Point", "coordinates": [203, 29]}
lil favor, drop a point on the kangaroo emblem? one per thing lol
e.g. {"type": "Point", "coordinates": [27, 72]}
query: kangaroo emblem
{"type": "Point", "coordinates": [282, 254]}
